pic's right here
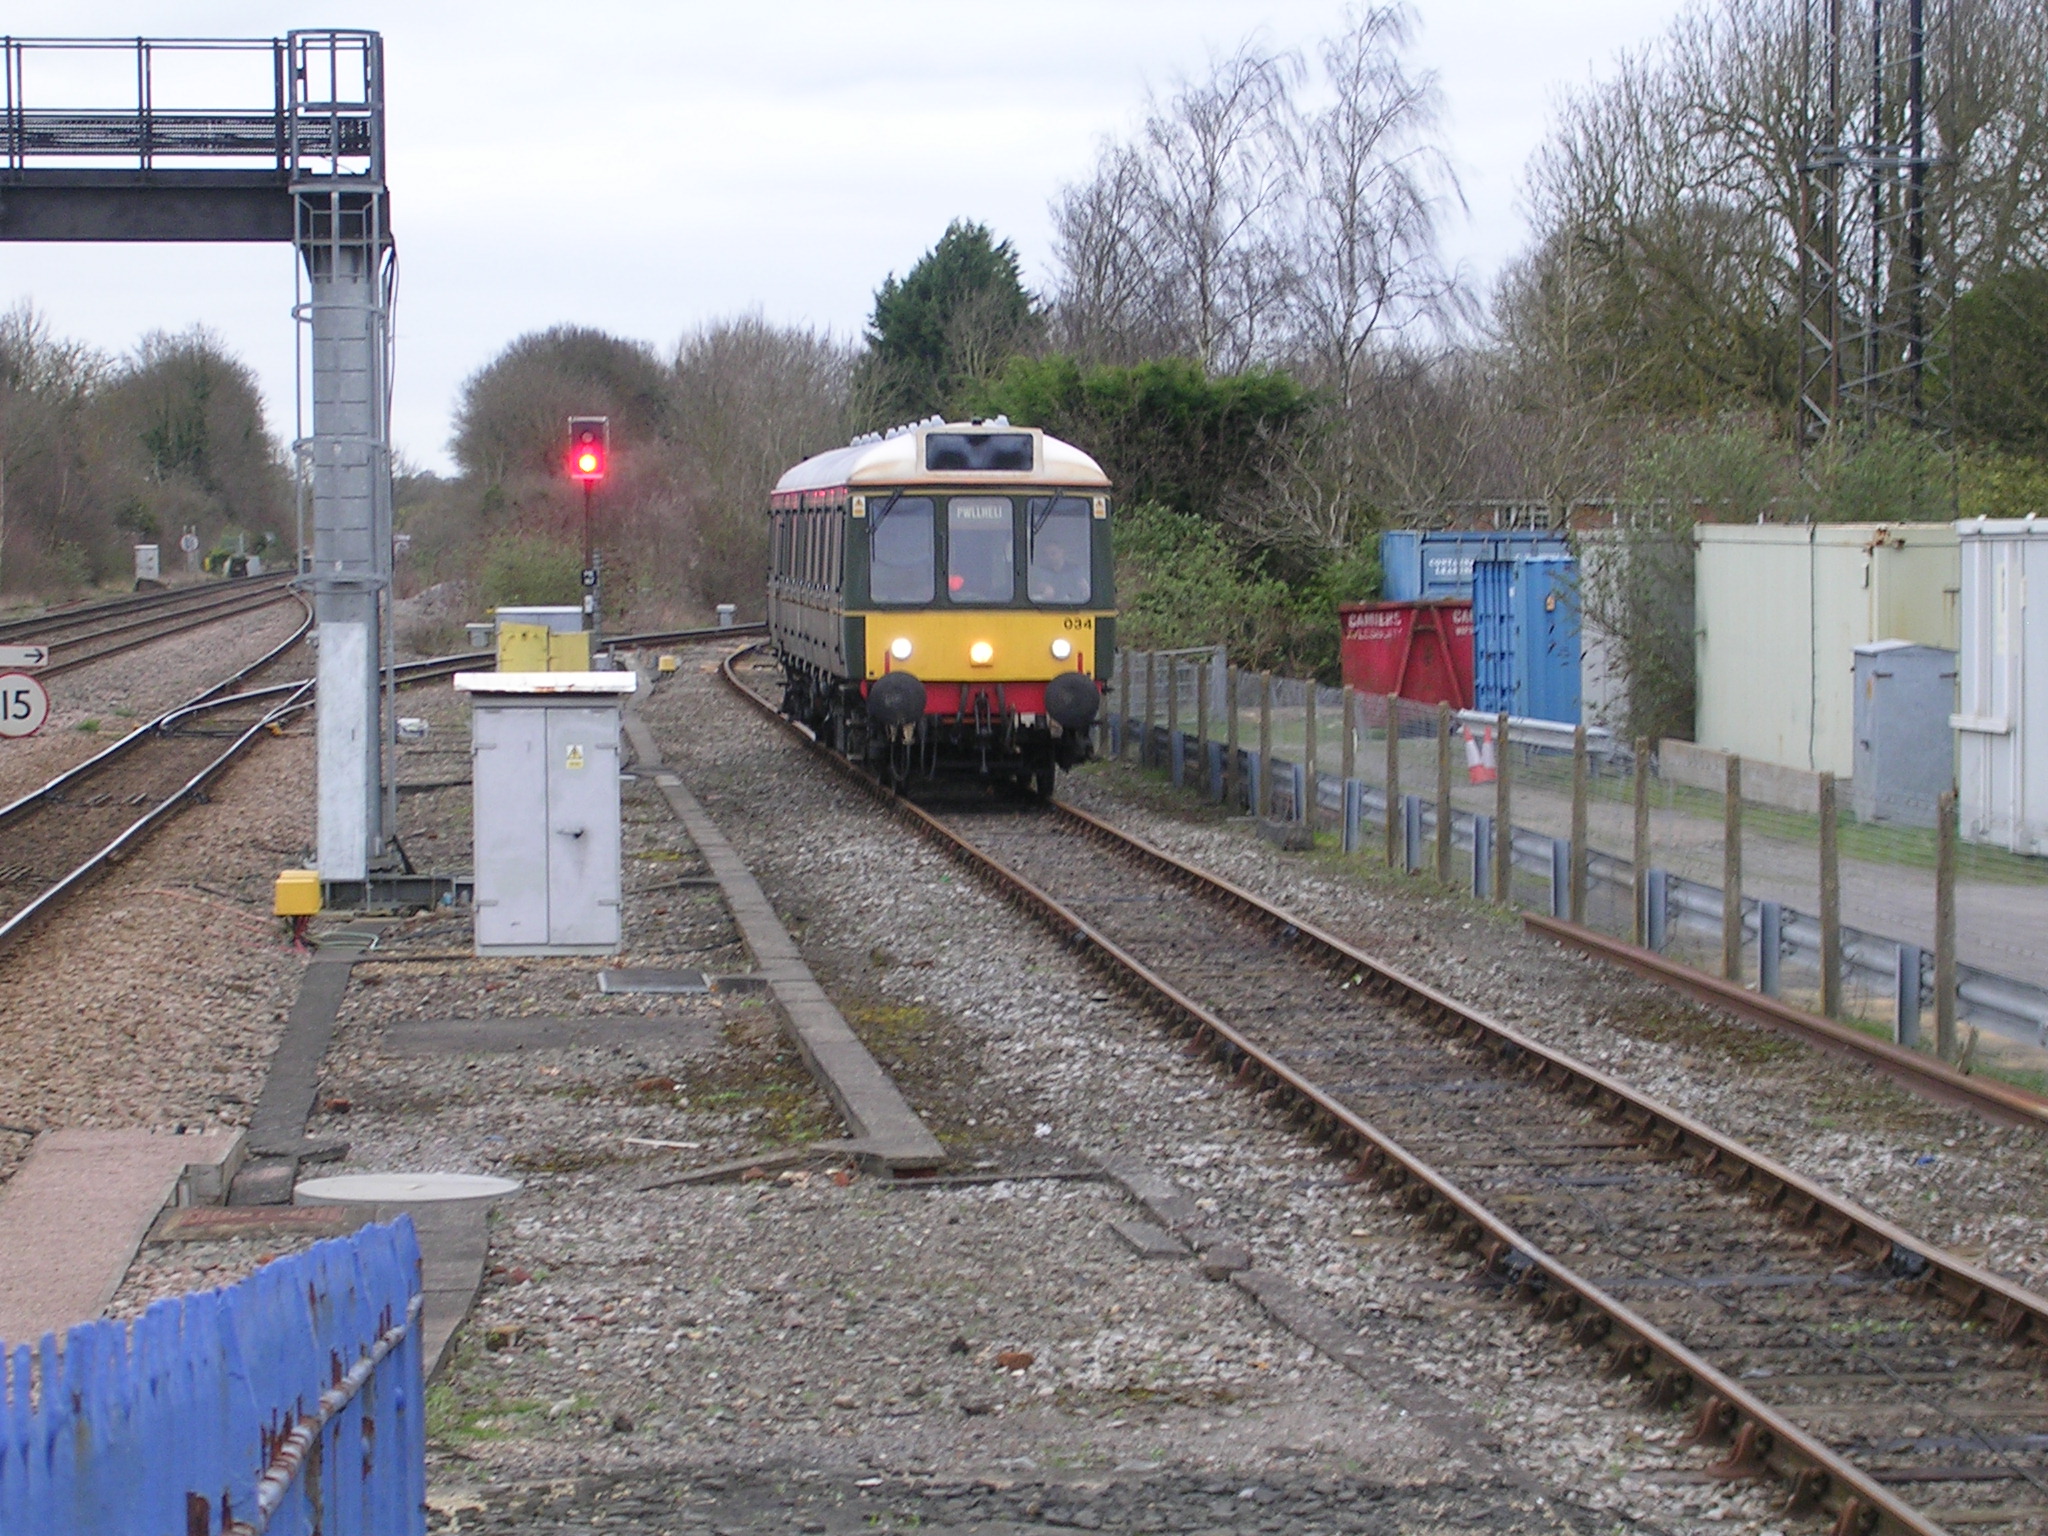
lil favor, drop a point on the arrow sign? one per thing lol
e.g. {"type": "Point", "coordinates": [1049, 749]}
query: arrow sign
{"type": "Point", "coordinates": [23, 656]}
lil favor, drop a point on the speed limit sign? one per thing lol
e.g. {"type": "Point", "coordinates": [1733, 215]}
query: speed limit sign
{"type": "Point", "coordinates": [24, 706]}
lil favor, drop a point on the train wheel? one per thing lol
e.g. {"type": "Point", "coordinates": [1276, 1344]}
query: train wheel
{"type": "Point", "coordinates": [1043, 780]}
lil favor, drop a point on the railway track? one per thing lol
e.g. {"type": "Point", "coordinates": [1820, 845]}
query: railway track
{"type": "Point", "coordinates": [1880, 1382]}
{"type": "Point", "coordinates": [95, 631]}
{"type": "Point", "coordinates": [57, 838]}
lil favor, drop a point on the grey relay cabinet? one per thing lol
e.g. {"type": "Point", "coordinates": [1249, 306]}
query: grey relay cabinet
{"type": "Point", "coordinates": [545, 753]}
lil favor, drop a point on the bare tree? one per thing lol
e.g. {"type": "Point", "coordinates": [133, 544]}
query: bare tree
{"type": "Point", "coordinates": [1372, 184]}
{"type": "Point", "coordinates": [1221, 174]}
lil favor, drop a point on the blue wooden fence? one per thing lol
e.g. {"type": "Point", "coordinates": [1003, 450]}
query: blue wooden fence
{"type": "Point", "coordinates": [290, 1403]}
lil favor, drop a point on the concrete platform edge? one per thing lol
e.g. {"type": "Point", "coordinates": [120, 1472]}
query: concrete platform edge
{"type": "Point", "coordinates": [872, 1106]}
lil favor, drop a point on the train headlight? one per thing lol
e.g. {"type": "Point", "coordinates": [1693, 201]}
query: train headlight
{"type": "Point", "coordinates": [900, 647]}
{"type": "Point", "coordinates": [981, 653]}
{"type": "Point", "coordinates": [1062, 648]}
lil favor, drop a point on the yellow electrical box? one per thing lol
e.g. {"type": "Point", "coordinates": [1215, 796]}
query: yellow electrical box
{"type": "Point", "coordinates": [522, 647]}
{"type": "Point", "coordinates": [569, 650]}
{"type": "Point", "coordinates": [665, 665]}
{"type": "Point", "coordinates": [297, 893]}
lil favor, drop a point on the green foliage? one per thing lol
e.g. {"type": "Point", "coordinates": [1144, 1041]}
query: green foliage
{"type": "Point", "coordinates": [1181, 582]}
{"type": "Point", "coordinates": [1994, 482]}
{"type": "Point", "coordinates": [530, 568]}
{"type": "Point", "coordinates": [1164, 431]}
{"type": "Point", "coordinates": [1733, 473]}
{"type": "Point", "coordinates": [2001, 339]}
{"type": "Point", "coordinates": [952, 321]}
{"type": "Point", "coordinates": [1889, 475]}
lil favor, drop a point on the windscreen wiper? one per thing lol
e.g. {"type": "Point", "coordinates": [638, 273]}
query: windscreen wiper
{"type": "Point", "coordinates": [875, 522]}
{"type": "Point", "coordinates": [1038, 518]}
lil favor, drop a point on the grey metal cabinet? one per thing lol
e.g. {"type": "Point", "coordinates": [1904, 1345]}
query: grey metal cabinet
{"type": "Point", "coordinates": [545, 749]}
{"type": "Point", "coordinates": [1905, 753]}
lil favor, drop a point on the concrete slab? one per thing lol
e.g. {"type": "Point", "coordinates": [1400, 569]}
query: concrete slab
{"type": "Point", "coordinates": [77, 1209]}
{"type": "Point", "coordinates": [1148, 1241]}
{"type": "Point", "coordinates": [483, 1037]}
{"type": "Point", "coordinates": [865, 1096]}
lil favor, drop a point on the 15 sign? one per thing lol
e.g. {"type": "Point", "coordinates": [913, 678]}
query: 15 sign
{"type": "Point", "coordinates": [24, 706]}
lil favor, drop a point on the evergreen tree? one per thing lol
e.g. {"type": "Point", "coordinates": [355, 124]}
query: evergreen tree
{"type": "Point", "coordinates": [952, 322]}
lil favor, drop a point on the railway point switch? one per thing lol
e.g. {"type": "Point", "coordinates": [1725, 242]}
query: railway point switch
{"type": "Point", "coordinates": [545, 753]}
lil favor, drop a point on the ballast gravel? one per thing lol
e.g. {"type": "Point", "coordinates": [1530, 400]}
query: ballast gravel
{"type": "Point", "coordinates": [814, 1349]}
{"type": "Point", "coordinates": [1974, 1188]}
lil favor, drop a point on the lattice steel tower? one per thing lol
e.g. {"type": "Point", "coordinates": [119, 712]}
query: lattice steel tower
{"type": "Point", "coordinates": [297, 154]}
{"type": "Point", "coordinates": [1874, 281]}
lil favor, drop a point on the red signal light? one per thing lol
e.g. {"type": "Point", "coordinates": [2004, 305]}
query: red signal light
{"type": "Point", "coordinates": [590, 441]}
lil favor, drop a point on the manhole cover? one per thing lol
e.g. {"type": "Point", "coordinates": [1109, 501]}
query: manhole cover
{"type": "Point", "coordinates": [402, 1188]}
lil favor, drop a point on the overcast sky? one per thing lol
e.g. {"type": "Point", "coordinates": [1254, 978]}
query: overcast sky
{"type": "Point", "coordinates": [649, 167]}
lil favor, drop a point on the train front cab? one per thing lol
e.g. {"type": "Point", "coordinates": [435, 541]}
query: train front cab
{"type": "Point", "coordinates": [986, 631]}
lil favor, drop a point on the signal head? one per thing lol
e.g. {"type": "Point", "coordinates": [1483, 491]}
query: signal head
{"type": "Point", "coordinates": [590, 445]}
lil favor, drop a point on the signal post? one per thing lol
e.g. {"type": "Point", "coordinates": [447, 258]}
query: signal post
{"type": "Point", "coordinates": [590, 453]}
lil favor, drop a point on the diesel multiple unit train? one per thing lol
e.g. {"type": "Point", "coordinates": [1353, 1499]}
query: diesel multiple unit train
{"type": "Point", "coordinates": [940, 600]}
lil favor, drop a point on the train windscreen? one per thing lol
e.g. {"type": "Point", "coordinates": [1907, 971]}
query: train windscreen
{"type": "Point", "coordinates": [1059, 549]}
{"type": "Point", "coordinates": [981, 560]}
{"type": "Point", "coordinates": [900, 551]}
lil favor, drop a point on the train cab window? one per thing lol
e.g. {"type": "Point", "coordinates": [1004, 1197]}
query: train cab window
{"type": "Point", "coordinates": [1059, 549]}
{"type": "Point", "coordinates": [981, 549]}
{"type": "Point", "coordinates": [900, 549]}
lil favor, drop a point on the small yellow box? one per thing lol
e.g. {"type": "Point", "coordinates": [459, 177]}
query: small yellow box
{"type": "Point", "coordinates": [665, 665]}
{"type": "Point", "coordinates": [297, 893]}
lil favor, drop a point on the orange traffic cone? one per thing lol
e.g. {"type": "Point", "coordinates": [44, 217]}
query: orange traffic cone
{"type": "Point", "coordinates": [1481, 766]}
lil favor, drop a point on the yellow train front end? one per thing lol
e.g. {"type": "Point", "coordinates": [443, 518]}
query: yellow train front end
{"type": "Point", "coordinates": [942, 601]}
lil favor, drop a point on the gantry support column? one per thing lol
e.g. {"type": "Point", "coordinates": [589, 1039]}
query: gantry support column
{"type": "Point", "coordinates": [345, 245]}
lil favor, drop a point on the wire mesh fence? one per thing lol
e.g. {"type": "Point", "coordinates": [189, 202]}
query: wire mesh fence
{"type": "Point", "coordinates": [1859, 901]}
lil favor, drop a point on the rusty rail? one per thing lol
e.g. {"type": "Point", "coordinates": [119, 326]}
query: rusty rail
{"type": "Point", "coordinates": [1922, 1074]}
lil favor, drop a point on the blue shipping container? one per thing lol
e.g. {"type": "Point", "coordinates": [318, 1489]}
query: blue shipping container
{"type": "Point", "coordinates": [1525, 637]}
{"type": "Point", "coordinates": [1416, 566]}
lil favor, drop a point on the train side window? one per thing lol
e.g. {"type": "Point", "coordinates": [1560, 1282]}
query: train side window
{"type": "Point", "coordinates": [810, 549]}
{"type": "Point", "coordinates": [900, 549]}
{"type": "Point", "coordinates": [981, 550]}
{"type": "Point", "coordinates": [1060, 529]}
{"type": "Point", "coordinates": [835, 567]}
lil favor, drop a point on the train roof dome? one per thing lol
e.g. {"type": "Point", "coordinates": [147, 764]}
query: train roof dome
{"type": "Point", "coordinates": [899, 456]}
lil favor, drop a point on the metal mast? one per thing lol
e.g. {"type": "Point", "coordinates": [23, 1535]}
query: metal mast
{"type": "Point", "coordinates": [1872, 317]}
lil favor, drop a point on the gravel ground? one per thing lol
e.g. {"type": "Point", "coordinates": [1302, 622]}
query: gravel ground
{"type": "Point", "coordinates": [96, 705]}
{"type": "Point", "coordinates": [816, 1324]}
{"type": "Point", "coordinates": [814, 1349]}
{"type": "Point", "coordinates": [153, 998]}
{"type": "Point", "coordinates": [1973, 1188]}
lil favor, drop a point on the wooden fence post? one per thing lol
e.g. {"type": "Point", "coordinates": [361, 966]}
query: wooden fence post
{"type": "Point", "coordinates": [1265, 786]}
{"type": "Point", "coordinates": [1575, 904]}
{"type": "Point", "coordinates": [1172, 712]}
{"type": "Point", "coordinates": [1731, 871]}
{"type": "Point", "coordinates": [1445, 817]}
{"type": "Point", "coordinates": [1638, 930]}
{"type": "Point", "coordinates": [1151, 708]}
{"type": "Point", "coordinates": [1830, 904]}
{"type": "Point", "coordinates": [1394, 837]}
{"type": "Point", "coordinates": [1945, 928]}
{"type": "Point", "coordinates": [1306, 814]}
{"type": "Point", "coordinates": [1503, 815]}
{"type": "Point", "coordinates": [1230, 736]}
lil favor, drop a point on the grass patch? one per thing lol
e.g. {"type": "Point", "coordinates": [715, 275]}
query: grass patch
{"type": "Point", "coordinates": [90, 727]}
